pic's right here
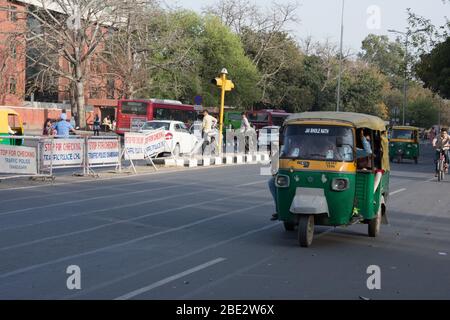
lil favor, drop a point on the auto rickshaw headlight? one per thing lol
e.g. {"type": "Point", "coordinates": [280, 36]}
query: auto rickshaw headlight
{"type": "Point", "coordinates": [282, 181]}
{"type": "Point", "coordinates": [340, 184]}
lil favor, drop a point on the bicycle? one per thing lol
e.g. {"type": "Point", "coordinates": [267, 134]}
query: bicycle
{"type": "Point", "coordinates": [441, 166]}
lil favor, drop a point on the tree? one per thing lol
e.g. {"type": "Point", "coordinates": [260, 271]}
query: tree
{"type": "Point", "coordinates": [434, 69]}
{"type": "Point", "coordinates": [64, 35]}
{"type": "Point", "coordinates": [363, 90]}
{"type": "Point", "coordinates": [387, 56]}
{"type": "Point", "coordinates": [264, 35]}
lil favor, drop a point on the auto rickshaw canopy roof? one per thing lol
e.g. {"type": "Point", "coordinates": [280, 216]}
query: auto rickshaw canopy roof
{"type": "Point", "coordinates": [358, 120]}
{"type": "Point", "coordinates": [4, 112]}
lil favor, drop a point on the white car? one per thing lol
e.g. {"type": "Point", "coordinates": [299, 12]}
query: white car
{"type": "Point", "coordinates": [179, 139]}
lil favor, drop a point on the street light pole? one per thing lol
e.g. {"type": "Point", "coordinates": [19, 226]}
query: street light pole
{"type": "Point", "coordinates": [340, 59]}
{"type": "Point", "coordinates": [405, 84]}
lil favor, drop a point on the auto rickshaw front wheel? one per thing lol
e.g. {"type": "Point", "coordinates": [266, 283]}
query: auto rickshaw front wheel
{"type": "Point", "coordinates": [375, 224]}
{"type": "Point", "coordinates": [306, 230]}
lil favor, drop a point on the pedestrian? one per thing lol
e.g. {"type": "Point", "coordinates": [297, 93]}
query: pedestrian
{"type": "Point", "coordinates": [432, 135]}
{"type": "Point", "coordinates": [96, 125]}
{"type": "Point", "coordinates": [47, 130]}
{"type": "Point", "coordinates": [207, 128]}
{"type": "Point", "coordinates": [63, 128]}
{"type": "Point", "coordinates": [107, 123]}
{"type": "Point", "coordinates": [245, 129]}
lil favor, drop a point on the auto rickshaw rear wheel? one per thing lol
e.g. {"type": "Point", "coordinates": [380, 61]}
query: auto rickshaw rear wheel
{"type": "Point", "coordinates": [306, 230]}
{"type": "Point", "coordinates": [375, 224]}
{"type": "Point", "coordinates": [289, 226]}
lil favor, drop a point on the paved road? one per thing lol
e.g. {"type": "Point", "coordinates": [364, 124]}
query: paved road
{"type": "Point", "coordinates": [206, 234]}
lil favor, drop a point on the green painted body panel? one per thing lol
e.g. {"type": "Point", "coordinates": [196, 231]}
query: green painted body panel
{"type": "Point", "coordinates": [409, 150]}
{"type": "Point", "coordinates": [340, 204]}
{"type": "Point", "coordinates": [358, 199]}
{"type": "Point", "coordinates": [11, 142]}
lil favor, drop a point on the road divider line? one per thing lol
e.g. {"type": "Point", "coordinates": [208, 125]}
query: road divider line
{"type": "Point", "coordinates": [146, 174]}
{"type": "Point", "coordinates": [124, 221]}
{"type": "Point", "coordinates": [128, 242]}
{"type": "Point", "coordinates": [134, 204]}
{"type": "Point", "coordinates": [397, 192]}
{"type": "Point", "coordinates": [167, 280]}
{"type": "Point", "coordinates": [103, 285]}
{"type": "Point", "coordinates": [120, 194]}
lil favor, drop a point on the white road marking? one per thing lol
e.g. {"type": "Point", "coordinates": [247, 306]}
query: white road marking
{"type": "Point", "coordinates": [125, 221]}
{"type": "Point", "coordinates": [93, 198]}
{"type": "Point", "coordinates": [397, 192]}
{"type": "Point", "coordinates": [169, 279]}
{"type": "Point", "coordinates": [173, 260]}
{"type": "Point", "coordinates": [128, 242]}
{"type": "Point", "coordinates": [252, 183]}
{"type": "Point", "coordinates": [122, 177]}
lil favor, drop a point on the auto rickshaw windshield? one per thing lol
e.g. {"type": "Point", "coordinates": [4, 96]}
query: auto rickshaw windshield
{"type": "Point", "coordinates": [318, 142]}
{"type": "Point", "coordinates": [402, 134]}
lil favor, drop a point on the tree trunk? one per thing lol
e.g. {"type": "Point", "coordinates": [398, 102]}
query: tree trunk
{"type": "Point", "coordinates": [79, 95]}
{"type": "Point", "coordinates": [81, 104]}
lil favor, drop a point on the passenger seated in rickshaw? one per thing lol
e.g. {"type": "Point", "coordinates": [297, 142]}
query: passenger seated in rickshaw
{"type": "Point", "coordinates": [363, 155]}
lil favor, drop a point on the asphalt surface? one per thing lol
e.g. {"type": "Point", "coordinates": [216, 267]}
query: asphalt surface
{"type": "Point", "coordinates": [206, 234]}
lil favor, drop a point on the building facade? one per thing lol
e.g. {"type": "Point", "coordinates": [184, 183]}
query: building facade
{"type": "Point", "coordinates": [17, 89]}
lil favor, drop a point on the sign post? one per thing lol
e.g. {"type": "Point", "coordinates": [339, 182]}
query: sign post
{"type": "Point", "coordinates": [225, 85]}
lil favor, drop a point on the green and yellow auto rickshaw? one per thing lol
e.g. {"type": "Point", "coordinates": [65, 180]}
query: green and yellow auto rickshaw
{"type": "Point", "coordinates": [330, 175]}
{"type": "Point", "coordinates": [10, 125]}
{"type": "Point", "coordinates": [404, 143]}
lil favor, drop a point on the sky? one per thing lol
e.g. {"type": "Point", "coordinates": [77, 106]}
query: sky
{"type": "Point", "coordinates": [321, 19]}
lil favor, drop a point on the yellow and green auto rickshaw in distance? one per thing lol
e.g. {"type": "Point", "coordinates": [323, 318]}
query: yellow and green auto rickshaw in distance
{"type": "Point", "coordinates": [328, 177]}
{"type": "Point", "coordinates": [404, 143]}
{"type": "Point", "coordinates": [10, 120]}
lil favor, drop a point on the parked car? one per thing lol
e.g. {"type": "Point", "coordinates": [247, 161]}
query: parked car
{"type": "Point", "coordinates": [179, 139]}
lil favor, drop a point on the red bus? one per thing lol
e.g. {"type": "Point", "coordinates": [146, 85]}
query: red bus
{"type": "Point", "coordinates": [132, 114]}
{"type": "Point", "coordinates": [267, 118]}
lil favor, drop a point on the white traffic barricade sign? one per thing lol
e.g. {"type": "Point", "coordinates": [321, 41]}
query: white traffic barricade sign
{"type": "Point", "coordinates": [103, 152]}
{"type": "Point", "coordinates": [63, 152]}
{"type": "Point", "coordinates": [144, 146]}
{"type": "Point", "coordinates": [18, 160]}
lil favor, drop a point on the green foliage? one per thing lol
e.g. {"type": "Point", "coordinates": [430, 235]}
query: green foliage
{"type": "Point", "coordinates": [387, 56]}
{"type": "Point", "coordinates": [434, 69]}
{"type": "Point", "coordinates": [422, 112]}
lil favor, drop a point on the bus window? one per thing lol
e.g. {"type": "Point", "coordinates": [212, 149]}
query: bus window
{"type": "Point", "coordinates": [136, 108]}
{"type": "Point", "coordinates": [278, 120]}
{"type": "Point", "coordinates": [258, 117]}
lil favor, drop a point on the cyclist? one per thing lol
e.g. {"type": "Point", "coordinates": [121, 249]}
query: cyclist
{"type": "Point", "coordinates": [442, 142]}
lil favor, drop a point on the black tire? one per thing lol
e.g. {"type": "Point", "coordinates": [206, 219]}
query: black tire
{"type": "Point", "coordinates": [289, 226]}
{"type": "Point", "coordinates": [374, 225]}
{"type": "Point", "coordinates": [306, 230]}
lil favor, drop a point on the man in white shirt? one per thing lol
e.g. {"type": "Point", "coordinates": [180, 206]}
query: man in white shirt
{"type": "Point", "coordinates": [207, 127]}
